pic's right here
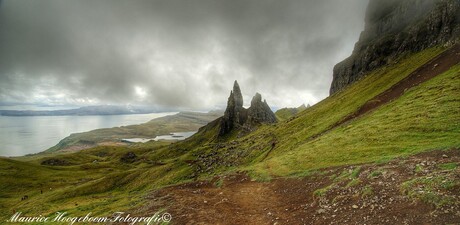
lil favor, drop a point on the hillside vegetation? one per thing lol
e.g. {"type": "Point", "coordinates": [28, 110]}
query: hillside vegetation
{"type": "Point", "coordinates": [96, 180]}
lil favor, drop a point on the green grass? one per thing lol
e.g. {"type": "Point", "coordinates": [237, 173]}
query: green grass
{"type": "Point", "coordinates": [367, 191]}
{"type": "Point", "coordinates": [219, 183]}
{"type": "Point", "coordinates": [353, 183]}
{"type": "Point", "coordinates": [418, 168]}
{"type": "Point", "coordinates": [322, 191]}
{"type": "Point", "coordinates": [375, 173]}
{"type": "Point", "coordinates": [105, 186]}
{"type": "Point", "coordinates": [431, 190]}
{"type": "Point", "coordinates": [448, 166]}
{"type": "Point", "coordinates": [355, 172]}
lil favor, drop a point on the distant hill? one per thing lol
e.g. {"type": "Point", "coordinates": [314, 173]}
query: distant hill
{"type": "Point", "coordinates": [180, 122]}
{"type": "Point", "coordinates": [287, 113]}
{"type": "Point", "coordinates": [83, 111]}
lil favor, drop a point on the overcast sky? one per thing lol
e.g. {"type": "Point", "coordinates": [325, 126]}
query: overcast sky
{"type": "Point", "coordinates": [177, 54]}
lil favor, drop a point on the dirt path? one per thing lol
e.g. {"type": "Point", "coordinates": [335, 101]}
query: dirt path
{"type": "Point", "coordinates": [365, 194]}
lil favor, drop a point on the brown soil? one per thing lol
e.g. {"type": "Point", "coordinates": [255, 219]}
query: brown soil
{"type": "Point", "coordinates": [238, 200]}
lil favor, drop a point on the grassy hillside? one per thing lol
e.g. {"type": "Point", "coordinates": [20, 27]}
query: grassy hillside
{"type": "Point", "coordinates": [298, 148]}
{"type": "Point", "coordinates": [426, 117]}
{"type": "Point", "coordinates": [181, 122]}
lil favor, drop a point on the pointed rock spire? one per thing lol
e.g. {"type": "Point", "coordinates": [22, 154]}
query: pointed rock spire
{"type": "Point", "coordinates": [236, 116]}
{"type": "Point", "coordinates": [237, 94]}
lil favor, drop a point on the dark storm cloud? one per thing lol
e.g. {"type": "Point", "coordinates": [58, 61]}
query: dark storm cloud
{"type": "Point", "coordinates": [173, 53]}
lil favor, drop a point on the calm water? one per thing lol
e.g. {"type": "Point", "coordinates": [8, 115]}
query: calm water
{"type": "Point", "coordinates": [178, 136]}
{"type": "Point", "coordinates": [26, 135]}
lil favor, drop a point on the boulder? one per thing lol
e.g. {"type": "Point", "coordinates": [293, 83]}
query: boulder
{"type": "Point", "coordinates": [129, 157]}
{"type": "Point", "coordinates": [55, 162]}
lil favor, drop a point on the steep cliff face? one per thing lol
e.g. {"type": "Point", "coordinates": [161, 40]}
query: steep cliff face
{"type": "Point", "coordinates": [394, 27]}
{"type": "Point", "coordinates": [236, 116]}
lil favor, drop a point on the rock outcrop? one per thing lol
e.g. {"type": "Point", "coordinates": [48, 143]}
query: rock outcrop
{"type": "Point", "coordinates": [236, 116]}
{"type": "Point", "coordinates": [55, 162]}
{"type": "Point", "coordinates": [129, 157]}
{"type": "Point", "coordinates": [260, 112]}
{"type": "Point", "coordinates": [394, 27]}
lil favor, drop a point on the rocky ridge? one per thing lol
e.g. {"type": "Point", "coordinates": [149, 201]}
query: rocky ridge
{"type": "Point", "coordinates": [394, 27]}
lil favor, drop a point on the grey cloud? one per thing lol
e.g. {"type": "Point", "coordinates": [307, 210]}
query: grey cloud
{"type": "Point", "coordinates": [173, 53]}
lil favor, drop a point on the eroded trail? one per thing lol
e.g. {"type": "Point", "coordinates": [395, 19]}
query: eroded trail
{"type": "Point", "coordinates": [422, 189]}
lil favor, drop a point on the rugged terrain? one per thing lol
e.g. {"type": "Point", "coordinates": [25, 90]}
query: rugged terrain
{"type": "Point", "coordinates": [384, 149]}
{"type": "Point", "coordinates": [421, 189]}
{"type": "Point", "coordinates": [312, 147]}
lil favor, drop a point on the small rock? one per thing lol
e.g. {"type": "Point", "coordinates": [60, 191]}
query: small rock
{"type": "Point", "coordinates": [129, 157]}
{"type": "Point", "coordinates": [55, 162]}
{"type": "Point", "coordinates": [320, 211]}
{"type": "Point", "coordinates": [354, 206]}
{"type": "Point", "coordinates": [445, 156]}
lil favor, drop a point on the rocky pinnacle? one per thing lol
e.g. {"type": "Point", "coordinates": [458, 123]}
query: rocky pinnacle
{"type": "Point", "coordinates": [236, 116]}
